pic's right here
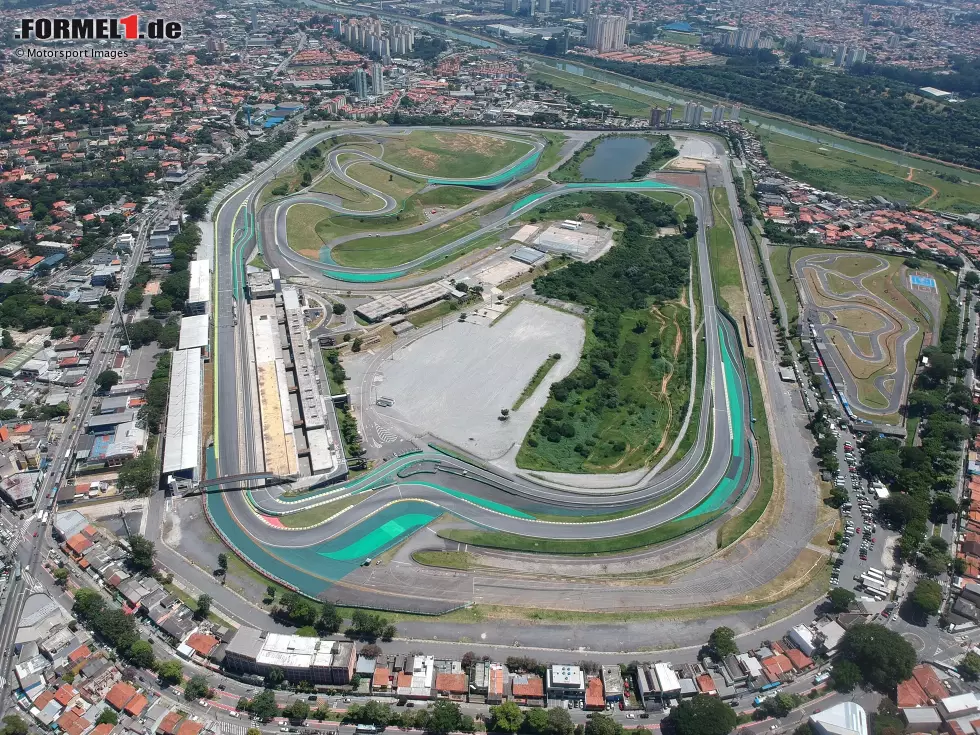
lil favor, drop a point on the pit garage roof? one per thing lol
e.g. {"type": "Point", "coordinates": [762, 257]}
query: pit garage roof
{"type": "Point", "coordinates": [182, 449]}
{"type": "Point", "coordinates": [199, 291]}
{"type": "Point", "coordinates": [193, 332]}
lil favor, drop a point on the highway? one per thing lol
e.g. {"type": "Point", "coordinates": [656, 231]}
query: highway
{"type": "Point", "coordinates": [721, 458]}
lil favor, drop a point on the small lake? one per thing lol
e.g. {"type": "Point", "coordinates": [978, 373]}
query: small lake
{"type": "Point", "coordinates": [615, 158]}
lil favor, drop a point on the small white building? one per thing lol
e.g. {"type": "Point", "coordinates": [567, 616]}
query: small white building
{"type": "Point", "coordinates": [846, 718]}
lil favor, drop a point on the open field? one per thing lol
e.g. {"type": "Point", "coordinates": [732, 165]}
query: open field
{"type": "Point", "coordinates": [452, 154]}
{"type": "Point", "coordinates": [861, 176]}
{"type": "Point", "coordinates": [394, 185]}
{"type": "Point", "coordinates": [552, 151]}
{"type": "Point", "coordinates": [779, 258]}
{"type": "Point", "coordinates": [687, 39]}
{"type": "Point", "coordinates": [384, 252]}
{"type": "Point", "coordinates": [448, 196]}
{"type": "Point", "coordinates": [301, 222]}
{"type": "Point", "coordinates": [725, 269]}
{"type": "Point", "coordinates": [350, 197]}
{"type": "Point", "coordinates": [622, 100]}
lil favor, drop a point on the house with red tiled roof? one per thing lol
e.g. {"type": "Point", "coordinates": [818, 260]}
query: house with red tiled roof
{"type": "Point", "coordinates": [135, 706]}
{"type": "Point", "coordinates": [706, 685]}
{"type": "Point", "coordinates": [120, 694]}
{"type": "Point", "coordinates": [73, 723]}
{"type": "Point", "coordinates": [595, 694]}
{"type": "Point", "coordinates": [776, 667]}
{"type": "Point", "coordinates": [381, 681]}
{"type": "Point", "coordinates": [452, 686]}
{"type": "Point", "coordinates": [909, 694]}
{"type": "Point", "coordinates": [66, 695]}
{"type": "Point", "coordinates": [927, 678]}
{"type": "Point", "coordinates": [189, 727]}
{"type": "Point", "coordinates": [168, 725]}
{"type": "Point", "coordinates": [528, 689]}
{"type": "Point", "coordinates": [104, 729]}
{"type": "Point", "coordinates": [201, 643]}
{"type": "Point", "coordinates": [801, 662]}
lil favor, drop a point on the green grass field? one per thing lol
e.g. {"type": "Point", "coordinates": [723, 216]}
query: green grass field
{"type": "Point", "coordinates": [386, 252]}
{"type": "Point", "coordinates": [688, 39]}
{"type": "Point", "coordinates": [552, 151]}
{"type": "Point", "coordinates": [725, 270]}
{"type": "Point", "coordinates": [455, 154]}
{"type": "Point", "coordinates": [448, 196]}
{"type": "Point", "coordinates": [653, 392]}
{"type": "Point", "coordinates": [349, 196]}
{"type": "Point", "coordinates": [395, 185]}
{"type": "Point", "coordinates": [779, 258]}
{"type": "Point", "coordinates": [625, 102]}
{"type": "Point", "coordinates": [861, 176]}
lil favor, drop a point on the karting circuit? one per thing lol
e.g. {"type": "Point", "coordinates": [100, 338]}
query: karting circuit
{"type": "Point", "coordinates": [870, 327]}
{"type": "Point", "coordinates": [430, 484]}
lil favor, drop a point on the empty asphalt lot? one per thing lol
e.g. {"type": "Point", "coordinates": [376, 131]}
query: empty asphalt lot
{"type": "Point", "coordinates": [453, 382]}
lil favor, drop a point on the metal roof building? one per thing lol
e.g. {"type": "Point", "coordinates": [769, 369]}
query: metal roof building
{"type": "Point", "coordinates": [182, 447]}
{"type": "Point", "coordinates": [193, 332]}
{"type": "Point", "coordinates": [199, 291]}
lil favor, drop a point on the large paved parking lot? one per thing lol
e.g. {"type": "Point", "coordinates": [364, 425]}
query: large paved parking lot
{"type": "Point", "coordinates": [453, 382]}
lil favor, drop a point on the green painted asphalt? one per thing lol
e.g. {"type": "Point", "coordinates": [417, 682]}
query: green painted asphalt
{"type": "Point", "coordinates": [363, 277]}
{"type": "Point", "coordinates": [380, 538]}
{"type": "Point", "coordinates": [739, 462]}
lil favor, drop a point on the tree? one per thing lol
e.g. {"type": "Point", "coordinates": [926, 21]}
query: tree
{"type": "Point", "coordinates": [927, 596]}
{"type": "Point", "coordinates": [330, 619]}
{"type": "Point", "coordinates": [106, 379]}
{"type": "Point", "coordinates": [969, 667]}
{"type": "Point", "coordinates": [371, 650]}
{"type": "Point", "coordinates": [536, 720]}
{"type": "Point", "coordinates": [884, 657]}
{"type": "Point", "coordinates": [339, 309]}
{"type": "Point", "coordinates": [370, 713]}
{"type": "Point", "coordinates": [275, 677]}
{"type": "Point", "coordinates": [223, 564]}
{"type": "Point", "coordinates": [721, 643]}
{"type": "Point", "coordinates": [943, 505]}
{"type": "Point", "coordinates": [845, 677]}
{"type": "Point", "coordinates": [298, 711]}
{"type": "Point", "coordinates": [203, 607]}
{"type": "Point", "coordinates": [171, 672]}
{"type": "Point", "coordinates": [264, 705]}
{"type": "Point", "coordinates": [141, 654]}
{"type": "Point", "coordinates": [702, 715]}
{"type": "Point", "coordinates": [14, 725]}
{"type": "Point", "coordinates": [60, 575]}
{"type": "Point", "coordinates": [270, 593]}
{"type": "Point", "coordinates": [506, 717]}
{"type": "Point", "coordinates": [560, 722]}
{"type": "Point", "coordinates": [444, 717]}
{"type": "Point", "coordinates": [6, 340]}
{"type": "Point", "coordinates": [59, 331]}
{"type": "Point", "coordinates": [599, 724]}
{"type": "Point", "coordinates": [197, 688]}
{"type": "Point", "coordinates": [841, 599]}
{"type": "Point", "coordinates": [779, 706]}
{"type": "Point", "coordinates": [139, 473]}
{"type": "Point", "coordinates": [971, 279]}
{"type": "Point", "coordinates": [107, 716]}
{"type": "Point", "coordinates": [141, 551]}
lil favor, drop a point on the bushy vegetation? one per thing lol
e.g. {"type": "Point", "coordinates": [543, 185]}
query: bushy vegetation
{"type": "Point", "coordinates": [112, 625]}
{"type": "Point", "coordinates": [607, 406]}
{"type": "Point", "coordinates": [663, 150]}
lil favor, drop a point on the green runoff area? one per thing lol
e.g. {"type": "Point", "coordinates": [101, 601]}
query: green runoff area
{"type": "Point", "coordinates": [891, 287]}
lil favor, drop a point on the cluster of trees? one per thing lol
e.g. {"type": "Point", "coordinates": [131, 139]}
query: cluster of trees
{"type": "Point", "coordinates": [923, 477]}
{"type": "Point", "coordinates": [370, 626]}
{"type": "Point", "coordinates": [140, 474]}
{"type": "Point", "coordinates": [639, 270]}
{"type": "Point", "coordinates": [113, 626]}
{"type": "Point", "coordinates": [663, 150]}
{"type": "Point", "coordinates": [141, 551]}
{"type": "Point", "coordinates": [134, 294]}
{"type": "Point", "coordinates": [302, 612]}
{"type": "Point", "coordinates": [826, 452]}
{"type": "Point", "coordinates": [155, 406]}
{"type": "Point", "coordinates": [872, 655]}
{"type": "Point", "coordinates": [337, 373]}
{"type": "Point", "coordinates": [24, 308]}
{"type": "Point", "coordinates": [872, 107]}
{"type": "Point", "coordinates": [351, 437]}
{"type": "Point", "coordinates": [196, 198]}
{"type": "Point", "coordinates": [440, 718]}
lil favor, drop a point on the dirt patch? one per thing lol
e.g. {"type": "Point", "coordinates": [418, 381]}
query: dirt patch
{"type": "Point", "coordinates": [485, 145]}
